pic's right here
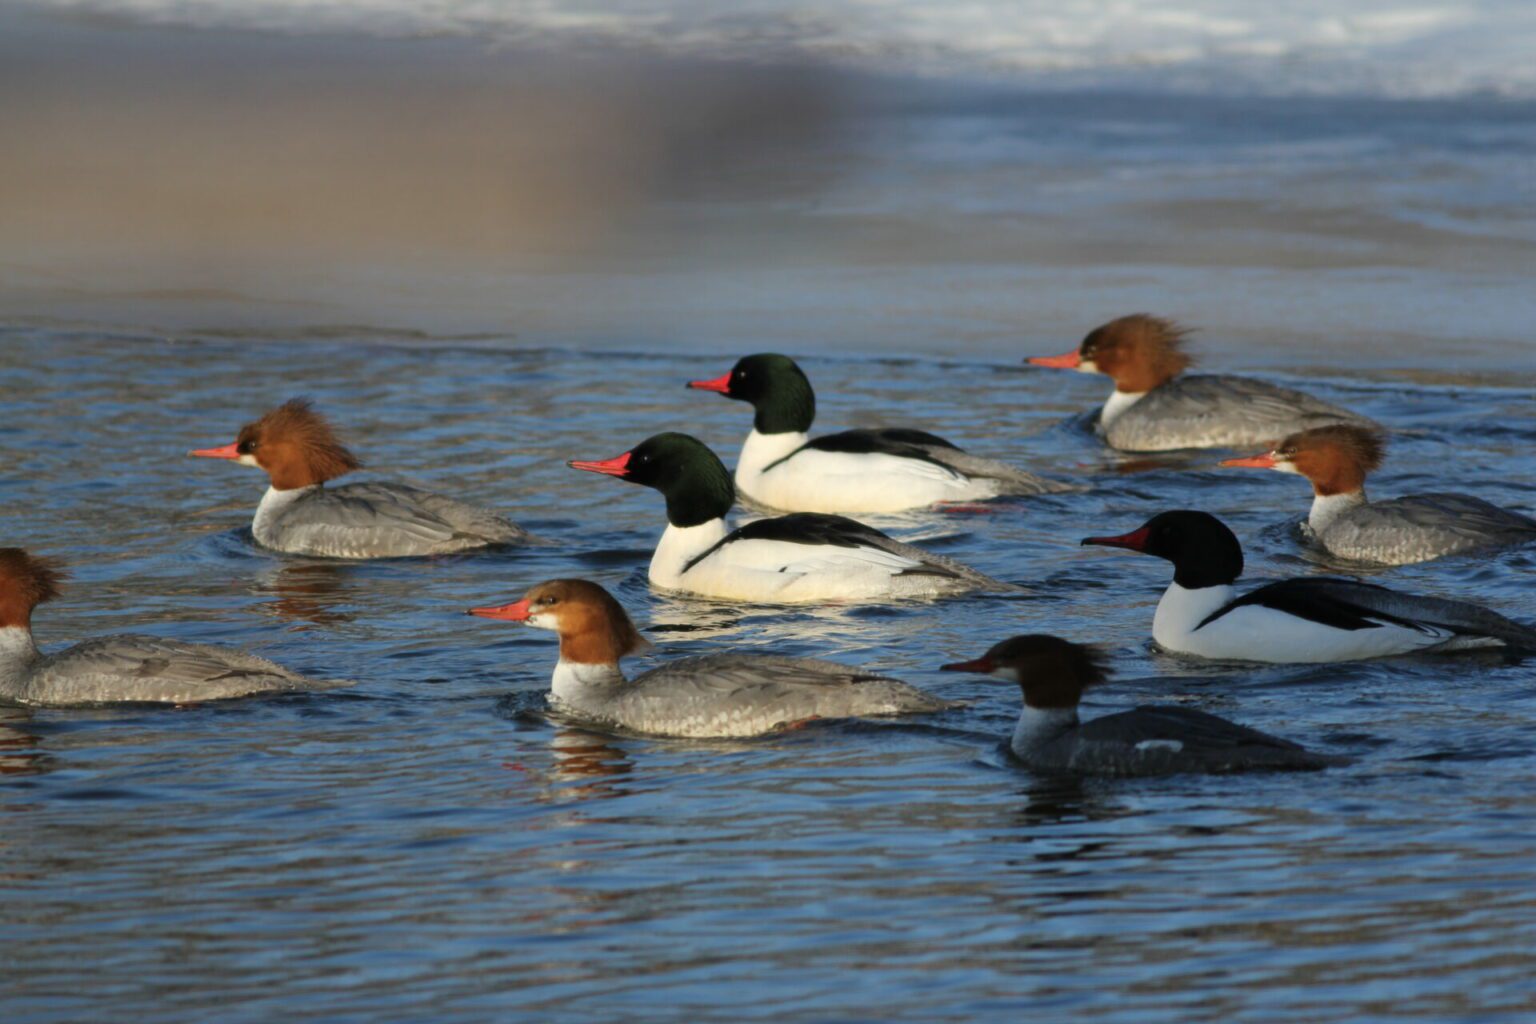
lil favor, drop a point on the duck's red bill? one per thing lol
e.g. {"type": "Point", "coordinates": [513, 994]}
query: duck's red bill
{"type": "Point", "coordinates": [982, 666]}
{"type": "Point", "coordinates": [1066, 361]}
{"type": "Point", "coordinates": [1265, 461]}
{"type": "Point", "coordinates": [229, 451]}
{"type": "Point", "coordinates": [517, 611]}
{"type": "Point", "coordinates": [616, 466]}
{"type": "Point", "coordinates": [1136, 540]}
{"type": "Point", "coordinates": [721, 384]}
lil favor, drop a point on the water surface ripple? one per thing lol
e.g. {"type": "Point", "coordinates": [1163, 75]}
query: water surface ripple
{"type": "Point", "coordinates": [430, 845]}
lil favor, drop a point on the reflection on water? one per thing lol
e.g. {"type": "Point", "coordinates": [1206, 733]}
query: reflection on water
{"type": "Point", "coordinates": [1052, 800]}
{"type": "Point", "coordinates": [587, 766]}
{"type": "Point", "coordinates": [306, 592]}
{"type": "Point", "coordinates": [21, 751]}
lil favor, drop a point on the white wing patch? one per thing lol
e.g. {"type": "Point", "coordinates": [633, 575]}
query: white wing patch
{"type": "Point", "coordinates": [1172, 746]}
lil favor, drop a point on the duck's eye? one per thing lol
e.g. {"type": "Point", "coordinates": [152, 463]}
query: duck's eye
{"type": "Point", "coordinates": [245, 447]}
{"type": "Point", "coordinates": [549, 600]}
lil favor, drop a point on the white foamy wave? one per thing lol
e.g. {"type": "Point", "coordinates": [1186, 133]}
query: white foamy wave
{"type": "Point", "coordinates": [1430, 48]}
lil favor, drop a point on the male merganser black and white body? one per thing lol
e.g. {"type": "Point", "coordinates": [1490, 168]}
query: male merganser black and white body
{"type": "Point", "coordinates": [1153, 408]}
{"type": "Point", "coordinates": [887, 470]}
{"type": "Point", "coordinates": [378, 519]}
{"type": "Point", "coordinates": [789, 559]}
{"type": "Point", "coordinates": [1415, 528]}
{"type": "Point", "coordinates": [116, 669]}
{"type": "Point", "coordinates": [1313, 619]}
{"type": "Point", "coordinates": [708, 695]}
{"type": "Point", "coordinates": [1150, 740]}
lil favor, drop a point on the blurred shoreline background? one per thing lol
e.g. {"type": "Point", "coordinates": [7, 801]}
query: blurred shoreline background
{"type": "Point", "coordinates": [889, 177]}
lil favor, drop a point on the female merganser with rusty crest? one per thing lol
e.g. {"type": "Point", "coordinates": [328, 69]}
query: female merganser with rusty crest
{"type": "Point", "coordinates": [120, 668]}
{"type": "Point", "coordinates": [707, 695]}
{"type": "Point", "coordinates": [1415, 528]}
{"type": "Point", "coordinates": [378, 519]}
{"type": "Point", "coordinates": [1154, 408]}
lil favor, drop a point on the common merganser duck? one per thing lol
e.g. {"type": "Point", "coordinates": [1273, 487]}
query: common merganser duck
{"type": "Point", "coordinates": [377, 519]}
{"type": "Point", "coordinates": [1419, 527]}
{"type": "Point", "coordinates": [111, 669]}
{"type": "Point", "coordinates": [1158, 739]}
{"type": "Point", "coordinates": [801, 557]}
{"type": "Point", "coordinates": [888, 470]}
{"type": "Point", "coordinates": [1154, 409]}
{"type": "Point", "coordinates": [706, 695]}
{"type": "Point", "coordinates": [1314, 619]}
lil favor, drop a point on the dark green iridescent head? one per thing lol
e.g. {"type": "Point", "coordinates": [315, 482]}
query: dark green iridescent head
{"type": "Point", "coordinates": [689, 475]}
{"type": "Point", "coordinates": [776, 387]}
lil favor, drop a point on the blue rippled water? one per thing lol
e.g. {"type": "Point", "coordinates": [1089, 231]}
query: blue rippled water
{"type": "Point", "coordinates": [430, 845]}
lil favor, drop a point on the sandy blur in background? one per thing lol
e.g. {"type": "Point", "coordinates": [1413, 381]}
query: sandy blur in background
{"type": "Point", "coordinates": [232, 174]}
{"type": "Point", "coordinates": [269, 184]}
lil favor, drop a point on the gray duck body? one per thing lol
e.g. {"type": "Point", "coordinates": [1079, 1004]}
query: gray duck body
{"type": "Point", "coordinates": [1421, 527]}
{"type": "Point", "coordinates": [1164, 740]}
{"type": "Point", "coordinates": [737, 695]}
{"type": "Point", "coordinates": [130, 668]}
{"type": "Point", "coordinates": [376, 519]}
{"type": "Point", "coordinates": [1219, 411]}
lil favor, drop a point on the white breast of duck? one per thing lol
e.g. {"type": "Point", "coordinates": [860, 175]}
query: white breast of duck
{"type": "Point", "coordinates": [18, 660]}
{"type": "Point", "coordinates": [716, 695]}
{"type": "Point", "coordinates": [788, 559]}
{"type": "Point", "coordinates": [1298, 620]}
{"type": "Point", "coordinates": [299, 451]}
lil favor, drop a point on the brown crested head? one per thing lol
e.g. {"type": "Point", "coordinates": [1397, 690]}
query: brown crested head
{"type": "Point", "coordinates": [1052, 672]}
{"type": "Point", "coordinates": [26, 581]}
{"type": "Point", "coordinates": [1336, 458]}
{"type": "Point", "coordinates": [594, 628]}
{"type": "Point", "coordinates": [1139, 351]}
{"type": "Point", "coordinates": [296, 446]}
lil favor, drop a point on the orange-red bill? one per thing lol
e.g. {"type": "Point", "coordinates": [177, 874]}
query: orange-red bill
{"type": "Point", "coordinates": [616, 466]}
{"type": "Point", "coordinates": [1264, 461]}
{"type": "Point", "coordinates": [1066, 361]}
{"type": "Point", "coordinates": [517, 611]}
{"type": "Point", "coordinates": [1136, 540]}
{"type": "Point", "coordinates": [721, 384]}
{"type": "Point", "coordinates": [229, 451]}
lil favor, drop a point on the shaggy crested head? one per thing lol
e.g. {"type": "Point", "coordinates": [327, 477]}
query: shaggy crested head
{"type": "Point", "coordinates": [1359, 446]}
{"type": "Point", "coordinates": [1139, 351]}
{"type": "Point", "coordinates": [594, 628]}
{"type": "Point", "coordinates": [296, 446]}
{"type": "Point", "coordinates": [26, 581]}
